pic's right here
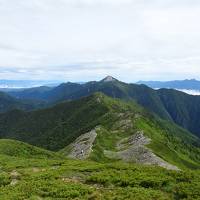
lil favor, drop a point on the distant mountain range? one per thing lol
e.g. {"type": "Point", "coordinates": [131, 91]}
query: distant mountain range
{"type": "Point", "coordinates": [168, 104]}
{"type": "Point", "coordinates": [8, 103]}
{"type": "Point", "coordinates": [191, 86]}
{"type": "Point", "coordinates": [13, 84]}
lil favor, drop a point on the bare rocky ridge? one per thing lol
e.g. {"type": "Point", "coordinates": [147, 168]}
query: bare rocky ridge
{"type": "Point", "coordinates": [133, 149]}
{"type": "Point", "coordinates": [125, 121]}
{"type": "Point", "coordinates": [82, 146]}
{"type": "Point", "coordinates": [109, 79]}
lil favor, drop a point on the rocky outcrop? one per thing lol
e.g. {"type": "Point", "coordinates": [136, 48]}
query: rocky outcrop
{"type": "Point", "coordinates": [133, 149]}
{"type": "Point", "coordinates": [82, 146]}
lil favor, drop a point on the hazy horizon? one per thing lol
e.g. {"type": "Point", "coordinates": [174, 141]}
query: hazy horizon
{"type": "Point", "coordinates": [99, 79]}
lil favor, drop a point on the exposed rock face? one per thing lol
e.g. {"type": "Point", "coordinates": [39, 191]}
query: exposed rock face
{"type": "Point", "coordinates": [109, 79]}
{"type": "Point", "coordinates": [133, 149]}
{"type": "Point", "coordinates": [125, 121]}
{"type": "Point", "coordinates": [82, 146]}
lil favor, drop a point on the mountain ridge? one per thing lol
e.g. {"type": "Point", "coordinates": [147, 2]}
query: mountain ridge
{"type": "Point", "coordinates": [56, 127]}
{"type": "Point", "coordinates": [157, 101]}
{"type": "Point", "coordinates": [8, 102]}
{"type": "Point", "coordinates": [29, 172]}
{"type": "Point", "coordinates": [190, 84]}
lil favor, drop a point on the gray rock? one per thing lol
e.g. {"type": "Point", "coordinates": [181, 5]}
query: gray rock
{"type": "Point", "coordinates": [133, 149]}
{"type": "Point", "coordinates": [82, 146]}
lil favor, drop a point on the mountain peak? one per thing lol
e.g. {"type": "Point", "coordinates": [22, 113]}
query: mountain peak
{"type": "Point", "coordinates": [109, 79]}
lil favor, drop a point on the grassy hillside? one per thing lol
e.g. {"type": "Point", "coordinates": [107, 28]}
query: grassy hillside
{"type": "Point", "coordinates": [23, 150]}
{"type": "Point", "coordinates": [55, 128]}
{"type": "Point", "coordinates": [172, 143]}
{"type": "Point", "coordinates": [22, 179]}
{"type": "Point", "coordinates": [169, 141]}
{"type": "Point", "coordinates": [184, 109]}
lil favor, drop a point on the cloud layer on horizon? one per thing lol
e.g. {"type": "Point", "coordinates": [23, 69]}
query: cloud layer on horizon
{"type": "Point", "coordinates": [88, 39]}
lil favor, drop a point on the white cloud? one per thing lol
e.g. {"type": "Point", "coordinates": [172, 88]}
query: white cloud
{"type": "Point", "coordinates": [191, 92]}
{"type": "Point", "coordinates": [129, 39]}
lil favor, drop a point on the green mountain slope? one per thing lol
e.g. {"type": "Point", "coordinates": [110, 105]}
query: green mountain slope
{"type": "Point", "coordinates": [8, 103]}
{"type": "Point", "coordinates": [70, 91]}
{"type": "Point", "coordinates": [36, 93]}
{"type": "Point", "coordinates": [20, 149]}
{"type": "Point", "coordinates": [144, 95]}
{"type": "Point", "coordinates": [184, 109]}
{"type": "Point", "coordinates": [114, 121]}
{"type": "Point", "coordinates": [171, 105]}
{"type": "Point", "coordinates": [55, 127]}
{"type": "Point", "coordinates": [48, 94]}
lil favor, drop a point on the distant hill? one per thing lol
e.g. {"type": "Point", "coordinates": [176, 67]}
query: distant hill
{"type": "Point", "coordinates": [13, 84]}
{"type": "Point", "coordinates": [115, 122]}
{"type": "Point", "coordinates": [52, 128]}
{"type": "Point", "coordinates": [8, 103]}
{"type": "Point", "coordinates": [23, 150]}
{"type": "Point", "coordinates": [49, 94]}
{"type": "Point", "coordinates": [191, 84]}
{"type": "Point", "coordinates": [167, 103]}
{"type": "Point", "coordinates": [35, 93]}
{"type": "Point", "coordinates": [113, 88]}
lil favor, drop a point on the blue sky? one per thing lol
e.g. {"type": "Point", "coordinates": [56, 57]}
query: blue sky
{"type": "Point", "coordinates": [81, 40]}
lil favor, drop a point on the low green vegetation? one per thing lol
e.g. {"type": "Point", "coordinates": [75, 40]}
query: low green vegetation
{"type": "Point", "coordinates": [105, 140]}
{"type": "Point", "coordinates": [20, 149]}
{"type": "Point", "coordinates": [23, 178]}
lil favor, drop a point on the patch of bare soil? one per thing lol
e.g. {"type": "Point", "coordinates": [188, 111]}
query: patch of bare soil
{"type": "Point", "coordinates": [15, 176]}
